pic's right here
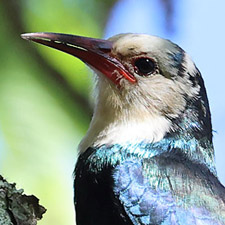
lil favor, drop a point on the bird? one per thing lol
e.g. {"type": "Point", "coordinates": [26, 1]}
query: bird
{"type": "Point", "coordinates": [148, 156]}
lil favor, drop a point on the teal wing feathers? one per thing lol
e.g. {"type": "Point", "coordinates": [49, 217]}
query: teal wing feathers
{"type": "Point", "coordinates": [181, 198]}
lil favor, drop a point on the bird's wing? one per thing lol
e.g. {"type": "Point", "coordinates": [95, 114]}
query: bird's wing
{"type": "Point", "coordinates": [156, 198]}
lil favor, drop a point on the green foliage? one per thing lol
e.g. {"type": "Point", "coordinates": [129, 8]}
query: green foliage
{"type": "Point", "coordinates": [44, 110]}
{"type": "Point", "coordinates": [65, 17]}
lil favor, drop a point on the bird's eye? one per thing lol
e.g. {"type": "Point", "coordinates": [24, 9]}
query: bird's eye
{"type": "Point", "coordinates": [144, 66]}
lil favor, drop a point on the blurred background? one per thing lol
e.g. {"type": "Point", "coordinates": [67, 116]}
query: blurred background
{"type": "Point", "coordinates": [45, 95]}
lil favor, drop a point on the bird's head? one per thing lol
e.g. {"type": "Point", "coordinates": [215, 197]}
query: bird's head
{"type": "Point", "coordinates": [146, 86]}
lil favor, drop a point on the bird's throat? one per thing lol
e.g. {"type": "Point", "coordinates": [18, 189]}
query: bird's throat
{"type": "Point", "coordinates": [149, 137]}
{"type": "Point", "coordinates": [106, 130]}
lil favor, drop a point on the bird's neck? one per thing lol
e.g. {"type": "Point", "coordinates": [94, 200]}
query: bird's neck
{"type": "Point", "coordinates": [112, 127]}
{"type": "Point", "coordinates": [190, 134]}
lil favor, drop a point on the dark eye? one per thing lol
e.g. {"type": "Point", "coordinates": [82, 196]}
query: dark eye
{"type": "Point", "coordinates": [144, 66]}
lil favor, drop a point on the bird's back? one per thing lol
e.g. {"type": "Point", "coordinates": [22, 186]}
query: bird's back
{"type": "Point", "coordinates": [165, 189]}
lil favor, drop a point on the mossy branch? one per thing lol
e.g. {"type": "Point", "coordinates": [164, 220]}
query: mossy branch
{"type": "Point", "coordinates": [17, 208]}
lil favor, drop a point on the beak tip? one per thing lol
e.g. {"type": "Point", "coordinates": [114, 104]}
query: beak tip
{"type": "Point", "coordinates": [26, 36]}
{"type": "Point", "coordinates": [31, 36]}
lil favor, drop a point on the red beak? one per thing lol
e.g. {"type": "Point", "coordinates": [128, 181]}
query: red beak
{"type": "Point", "coordinates": [94, 52]}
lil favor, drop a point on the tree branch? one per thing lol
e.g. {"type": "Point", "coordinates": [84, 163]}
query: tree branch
{"type": "Point", "coordinates": [168, 6]}
{"type": "Point", "coordinates": [17, 208]}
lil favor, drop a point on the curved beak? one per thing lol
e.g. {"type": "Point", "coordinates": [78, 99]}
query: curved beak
{"type": "Point", "coordinates": [94, 52]}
